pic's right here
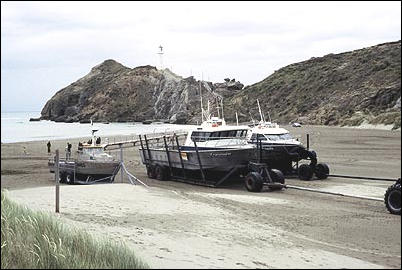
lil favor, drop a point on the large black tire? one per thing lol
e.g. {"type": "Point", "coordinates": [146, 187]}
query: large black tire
{"type": "Point", "coordinates": [321, 171]}
{"type": "Point", "coordinates": [70, 178]}
{"type": "Point", "coordinates": [392, 199]}
{"type": "Point", "coordinates": [277, 177]}
{"type": "Point", "coordinates": [305, 172]}
{"type": "Point", "coordinates": [151, 171]}
{"type": "Point", "coordinates": [254, 182]}
{"type": "Point", "coordinates": [161, 173]}
{"type": "Point", "coordinates": [62, 176]}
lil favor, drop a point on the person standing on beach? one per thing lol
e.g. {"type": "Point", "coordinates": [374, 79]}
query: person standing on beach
{"type": "Point", "coordinates": [48, 147]}
{"type": "Point", "coordinates": [68, 150]}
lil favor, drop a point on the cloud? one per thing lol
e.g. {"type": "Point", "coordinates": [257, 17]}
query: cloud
{"type": "Point", "coordinates": [245, 40]}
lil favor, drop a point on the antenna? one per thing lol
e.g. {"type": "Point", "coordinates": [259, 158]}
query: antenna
{"type": "Point", "coordinates": [237, 119]}
{"type": "Point", "coordinates": [160, 56]}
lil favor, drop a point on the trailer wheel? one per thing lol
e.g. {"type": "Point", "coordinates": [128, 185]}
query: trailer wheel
{"type": "Point", "coordinates": [392, 199]}
{"type": "Point", "coordinates": [254, 182]}
{"type": "Point", "coordinates": [62, 177]}
{"type": "Point", "coordinates": [70, 178]}
{"type": "Point", "coordinates": [305, 172]}
{"type": "Point", "coordinates": [161, 173]}
{"type": "Point", "coordinates": [151, 172]}
{"type": "Point", "coordinates": [321, 171]}
{"type": "Point", "coordinates": [277, 177]}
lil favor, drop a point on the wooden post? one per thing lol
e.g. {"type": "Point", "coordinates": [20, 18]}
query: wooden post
{"type": "Point", "coordinates": [57, 178]}
{"type": "Point", "coordinates": [121, 162]}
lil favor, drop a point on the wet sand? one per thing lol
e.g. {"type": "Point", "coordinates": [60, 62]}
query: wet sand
{"type": "Point", "coordinates": [177, 225]}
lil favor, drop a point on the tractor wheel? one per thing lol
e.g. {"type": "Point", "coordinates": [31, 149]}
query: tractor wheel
{"type": "Point", "coordinates": [321, 171]}
{"type": "Point", "coordinates": [305, 172]}
{"type": "Point", "coordinates": [161, 173]}
{"type": "Point", "coordinates": [151, 171]}
{"type": "Point", "coordinates": [277, 177]}
{"type": "Point", "coordinates": [392, 199]}
{"type": "Point", "coordinates": [253, 182]}
{"type": "Point", "coordinates": [70, 178]}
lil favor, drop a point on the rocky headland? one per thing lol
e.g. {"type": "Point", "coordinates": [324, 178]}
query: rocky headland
{"type": "Point", "coordinates": [352, 88]}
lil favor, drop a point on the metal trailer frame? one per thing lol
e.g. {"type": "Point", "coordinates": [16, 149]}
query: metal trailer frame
{"type": "Point", "coordinates": [180, 174]}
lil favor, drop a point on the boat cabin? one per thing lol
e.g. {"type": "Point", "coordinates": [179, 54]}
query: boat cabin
{"type": "Point", "coordinates": [271, 133]}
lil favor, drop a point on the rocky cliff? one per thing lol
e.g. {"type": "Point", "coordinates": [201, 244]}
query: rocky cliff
{"type": "Point", "coordinates": [361, 86]}
{"type": "Point", "coordinates": [113, 92]}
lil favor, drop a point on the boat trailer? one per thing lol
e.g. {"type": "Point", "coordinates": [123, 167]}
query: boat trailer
{"type": "Point", "coordinates": [258, 174]}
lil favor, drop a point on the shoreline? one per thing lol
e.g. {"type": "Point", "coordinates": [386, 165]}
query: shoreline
{"type": "Point", "coordinates": [379, 127]}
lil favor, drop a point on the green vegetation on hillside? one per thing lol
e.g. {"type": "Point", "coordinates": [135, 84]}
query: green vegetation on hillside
{"type": "Point", "coordinates": [37, 240]}
{"type": "Point", "coordinates": [337, 89]}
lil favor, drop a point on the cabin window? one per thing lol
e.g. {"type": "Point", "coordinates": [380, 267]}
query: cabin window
{"type": "Point", "coordinates": [232, 133]}
{"type": "Point", "coordinates": [214, 135]}
{"type": "Point", "coordinates": [261, 137]}
{"type": "Point", "coordinates": [277, 137]}
{"type": "Point", "coordinates": [224, 134]}
{"type": "Point", "coordinates": [199, 136]}
{"type": "Point", "coordinates": [241, 133]}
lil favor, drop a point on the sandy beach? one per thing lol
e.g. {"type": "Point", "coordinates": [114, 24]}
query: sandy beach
{"type": "Point", "coordinates": [177, 225]}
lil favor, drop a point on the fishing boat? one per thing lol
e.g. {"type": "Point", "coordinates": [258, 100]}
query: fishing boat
{"type": "Point", "coordinates": [280, 150]}
{"type": "Point", "coordinates": [213, 145]}
{"type": "Point", "coordinates": [92, 163]}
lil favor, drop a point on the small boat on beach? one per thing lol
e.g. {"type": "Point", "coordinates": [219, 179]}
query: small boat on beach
{"type": "Point", "coordinates": [92, 164]}
{"type": "Point", "coordinates": [281, 151]}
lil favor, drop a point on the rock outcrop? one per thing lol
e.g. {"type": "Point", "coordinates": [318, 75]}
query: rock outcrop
{"type": "Point", "coordinates": [113, 92]}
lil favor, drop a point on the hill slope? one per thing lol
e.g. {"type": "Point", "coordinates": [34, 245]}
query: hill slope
{"type": "Point", "coordinates": [337, 89]}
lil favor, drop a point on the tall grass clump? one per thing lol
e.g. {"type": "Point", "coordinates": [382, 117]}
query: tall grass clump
{"type": "Point", "coordinates": [31, 239]}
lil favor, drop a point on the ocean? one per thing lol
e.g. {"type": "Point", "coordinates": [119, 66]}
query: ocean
{"type": "Point", "coordinates": [16, 127]}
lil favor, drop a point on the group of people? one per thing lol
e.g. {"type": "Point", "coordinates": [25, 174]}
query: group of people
{"type": "Point", "coordinates": [68, 149]}
{"type": "Point", "coordinates": [69, 146]}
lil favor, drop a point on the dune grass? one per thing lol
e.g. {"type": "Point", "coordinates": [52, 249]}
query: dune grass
{"type": "Point", "coordinates": [31, 239]}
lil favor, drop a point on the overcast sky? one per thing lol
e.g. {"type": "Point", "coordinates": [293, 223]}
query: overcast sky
{"type": "Point", "coordinates": [45, 46]}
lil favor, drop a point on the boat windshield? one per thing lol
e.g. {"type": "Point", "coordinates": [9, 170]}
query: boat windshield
{"type": "Point", "coordinates": [278, 137]}
{"type": "Point", "coordinates": [202, 136]}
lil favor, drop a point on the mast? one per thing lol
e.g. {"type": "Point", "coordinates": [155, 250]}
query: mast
{"type": "Point", "coordinates": [261, 115]}
{"type": "Point", "coordinates": [222, 108]}
{"type": "Point", "coordinates": [202, 108]}
{"type": "Point", "coordinates": [217, 107]}
{"type": "Point", "coordinates": [237, 119]}
{"type": "Point", "coordinates": [208, 115]}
